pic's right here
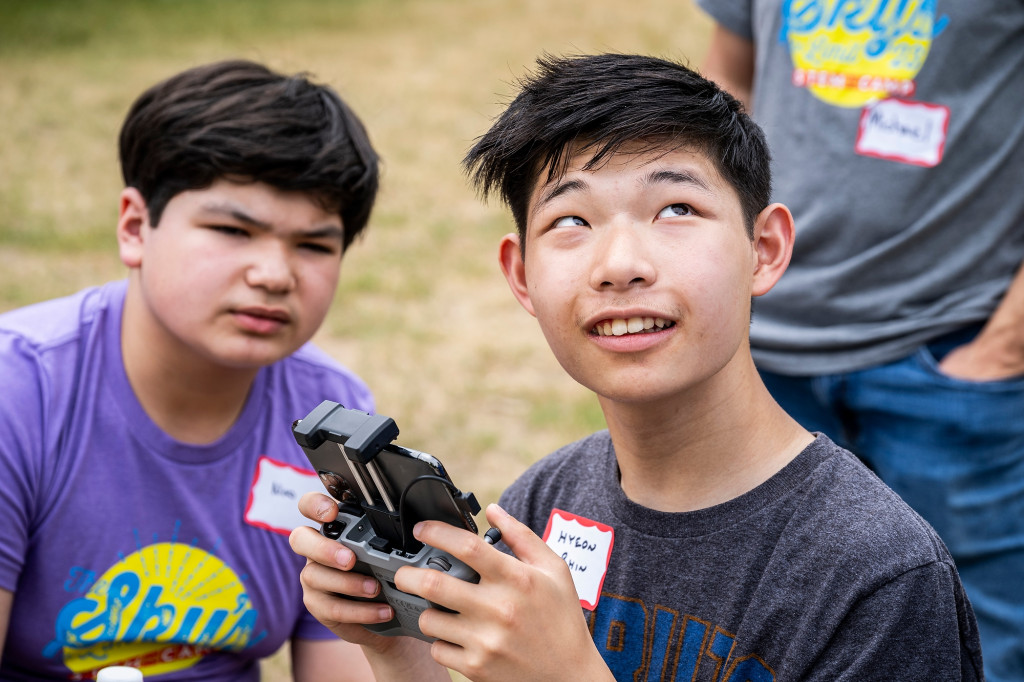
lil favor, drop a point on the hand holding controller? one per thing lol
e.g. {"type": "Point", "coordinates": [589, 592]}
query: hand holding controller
{"type": "Point", "coordinates": [361, 469]}
{"type": "Point", "coordinates": [357, 534]}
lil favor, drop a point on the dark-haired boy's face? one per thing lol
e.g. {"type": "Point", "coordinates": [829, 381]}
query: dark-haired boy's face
{"type": "Point", "coordinates": [239, 274]}
{"type": "Point", "coordinates": [639, 272]}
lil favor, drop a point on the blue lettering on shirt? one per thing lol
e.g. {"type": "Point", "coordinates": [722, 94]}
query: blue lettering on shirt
{"type": "Point", "coordinates": [883, 20]}
{"type": "Point", "coordinates": [640, 644]}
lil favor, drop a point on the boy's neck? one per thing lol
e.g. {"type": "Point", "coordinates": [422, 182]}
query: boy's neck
{"type": "Point", "coordinates": [191, 399]}
{"type": "Point", "coordinates": [697, 451]}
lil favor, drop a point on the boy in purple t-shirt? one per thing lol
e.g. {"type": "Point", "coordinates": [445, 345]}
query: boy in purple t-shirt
{"type": "Point", "coordinates": [148, 477]}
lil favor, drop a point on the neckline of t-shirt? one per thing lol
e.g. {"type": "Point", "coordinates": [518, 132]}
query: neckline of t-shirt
{"type": "Point", "coordinates": [716, 518]}
{"type": "Point", "coordinates": [145, 430]}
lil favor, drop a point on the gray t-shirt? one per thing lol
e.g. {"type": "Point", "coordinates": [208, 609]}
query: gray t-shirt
{"type": "Point", "coordinates": [898, 141]}
{"type": "Point", "coordinates": [820, 573]}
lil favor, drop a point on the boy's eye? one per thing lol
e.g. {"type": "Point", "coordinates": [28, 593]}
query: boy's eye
{"type": "Point", "coordinates": [230, 230]}
{"type": "Point", "coordinates": [570, 221]}
{"type": "Point", "coordinates": [317, 247]}
{"type": "Point", "coordinates": [675, 210]}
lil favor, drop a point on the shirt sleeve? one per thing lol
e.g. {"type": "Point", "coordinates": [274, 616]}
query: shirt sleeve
{"type": "Point", "coordinates": [309, 627]}
{"type": "Point", "coordinates": [21, 447]}
{"type": "Point", "coordinates": [918, 627]}
{"type": "Point", "coordinates": [735, 15]}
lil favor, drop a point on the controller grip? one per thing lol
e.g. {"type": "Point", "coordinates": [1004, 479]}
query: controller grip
{"type": "Point", "coordinates": [355, 533]}
{"type": "Point", "coordinates": [388, 628]}
{"type": "Point", "coordinates": [453, 567]}
{"type": "Point", "coordinates": [408, 607]}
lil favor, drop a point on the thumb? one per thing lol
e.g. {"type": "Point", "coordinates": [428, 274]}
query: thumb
{"type": "Point", "coordinates": [318, 507]}
{"type": "Point", "coordinates": [524, 543]}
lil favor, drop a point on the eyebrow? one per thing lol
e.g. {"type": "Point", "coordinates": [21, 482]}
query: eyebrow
{"type": "Point", "coordinates": [560, 188]}
{"type": "Point", "coordinates": [325, 231]}
{"type": "Point", "coordinates": [664, 176]}
{"type": "Point", "coordinates": [676, 177]}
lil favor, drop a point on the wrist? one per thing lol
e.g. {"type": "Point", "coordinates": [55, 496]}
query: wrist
{"type": "Point", "coordinates": [997, 353]}
{"type": "Point", "coordinates": [1003, 343]}
{"type": "Point", "coordinates": [402, 658]}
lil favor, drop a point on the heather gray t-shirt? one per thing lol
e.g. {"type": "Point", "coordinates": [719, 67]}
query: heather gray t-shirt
{"type": "Point", "coordinates": [898, 141]}
{"type": "Point", "coordinates": [820, 573]}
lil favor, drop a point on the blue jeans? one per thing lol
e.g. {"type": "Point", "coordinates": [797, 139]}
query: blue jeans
{"type": "Point", "coordinates": [954, 450]}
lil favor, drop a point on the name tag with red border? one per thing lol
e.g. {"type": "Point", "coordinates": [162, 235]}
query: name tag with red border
{"type": "Point", "coordinates": [274, 497]}
{"type": "Point", "coordinates": [904, 131]}
{"type": "Point", "coordinates": [586, 546]}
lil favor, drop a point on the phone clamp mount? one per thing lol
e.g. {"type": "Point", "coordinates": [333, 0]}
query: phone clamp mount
{"type": "Point", "coordinates": [369, 523]}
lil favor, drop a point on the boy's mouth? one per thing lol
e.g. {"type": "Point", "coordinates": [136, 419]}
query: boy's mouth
{"type": "Point", "coordinates": [260, 312]}
{"type": "Point", "coordinates": [631, 325]}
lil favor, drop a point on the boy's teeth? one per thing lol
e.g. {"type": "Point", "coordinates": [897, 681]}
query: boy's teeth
{"type": "Point", "coordinates": [630, 325]}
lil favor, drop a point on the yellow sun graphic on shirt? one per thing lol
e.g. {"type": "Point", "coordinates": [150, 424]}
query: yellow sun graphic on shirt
{"type": "Point", "coordinates": [851, 53]}
{"type": "Point", "coordinates": [160, 609]}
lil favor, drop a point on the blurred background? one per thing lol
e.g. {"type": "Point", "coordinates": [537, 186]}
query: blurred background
{"type": "Point", "coordinates": [422, 313]}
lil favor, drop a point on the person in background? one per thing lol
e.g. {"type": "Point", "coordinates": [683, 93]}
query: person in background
{"type": "Point", "coordinates": [898, 329]}
{"type": "Point", "coordinates": [705, 535]}
{"type": "Point", "coordinates": [148, 475]}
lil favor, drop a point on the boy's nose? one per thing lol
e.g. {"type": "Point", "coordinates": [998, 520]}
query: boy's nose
{"type": "Point", "coordinates": [622, 259]}
{"type": "Point", "coordinates": [271, 270]}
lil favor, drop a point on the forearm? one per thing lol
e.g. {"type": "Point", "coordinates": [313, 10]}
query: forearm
{"type": "Point", "coordinates": [730, 64]}
{"type": "Point", "coordinates": [328, 660]}
{"type": "Point", "coordinates": [998, 350]}
{"type": "Point", "coordinates": [340, 661]}
{"type": "Point", "coordinates": [408, 660]}
{"type": "Point", "coordinates": [6, 600]}
{"type": "Point", "coordinates": [1006, 326]}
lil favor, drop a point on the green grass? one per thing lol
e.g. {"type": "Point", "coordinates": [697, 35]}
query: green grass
{"type": "Point", "coordinates": [423, 313]}
{"type": "Point", "coordinates": [47, 27]}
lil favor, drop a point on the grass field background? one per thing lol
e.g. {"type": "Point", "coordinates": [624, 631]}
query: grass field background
{"type": "Point", "coordinates": [422, 312]}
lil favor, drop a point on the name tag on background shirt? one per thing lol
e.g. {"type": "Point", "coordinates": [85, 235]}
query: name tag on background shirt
{"type": "Point", "coordinates": [904, 131]}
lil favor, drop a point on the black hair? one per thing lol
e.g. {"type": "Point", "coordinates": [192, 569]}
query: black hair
{"type": "Point", "coordinates": [598, 103]}
{"type": "Point", "coordinates": [238, 119]}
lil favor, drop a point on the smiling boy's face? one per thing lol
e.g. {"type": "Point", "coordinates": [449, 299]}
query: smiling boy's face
{"type": "Point", "coordinates": [640, 273]}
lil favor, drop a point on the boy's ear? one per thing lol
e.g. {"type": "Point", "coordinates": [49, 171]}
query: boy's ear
{"type": "Point", "coordinates": [133, 216]}
{"type": "Point", "coordinates": [510, 256]}
{"type": "Point", "coordinates": [773, 246]}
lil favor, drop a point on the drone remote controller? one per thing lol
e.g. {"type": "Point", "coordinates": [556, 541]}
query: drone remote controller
{"type": "Point", "coordinates": [382, 491]}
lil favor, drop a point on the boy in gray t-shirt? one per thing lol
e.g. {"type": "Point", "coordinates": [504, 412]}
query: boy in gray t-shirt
{"type": "Point", "coordinates": [705, 535]}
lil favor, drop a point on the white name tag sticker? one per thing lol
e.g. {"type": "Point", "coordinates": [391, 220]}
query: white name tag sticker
{"type": "Point", "coordinates": [586, 546]}
{"type": "Point", "coordinates": [899, 130]}
{"type": "Point", "coordinates": [274, 497]}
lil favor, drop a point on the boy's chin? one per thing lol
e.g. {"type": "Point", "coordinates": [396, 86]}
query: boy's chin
{"type": "Point", "coordinates": [638, 392]}
{"type": "Point", "coordinates": [254, 358]}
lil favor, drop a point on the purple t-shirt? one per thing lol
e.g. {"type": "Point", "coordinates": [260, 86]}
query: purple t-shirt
{"type": "Point", "coordinates": [124, 546]}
